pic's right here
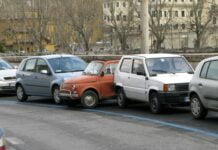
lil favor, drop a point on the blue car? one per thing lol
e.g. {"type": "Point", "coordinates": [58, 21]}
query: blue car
{"type": "Point", "coordinates": [43, 75]}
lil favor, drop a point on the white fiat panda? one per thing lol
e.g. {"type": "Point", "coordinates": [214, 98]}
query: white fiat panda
{"type": "Point", "coordinates": [159, 79]}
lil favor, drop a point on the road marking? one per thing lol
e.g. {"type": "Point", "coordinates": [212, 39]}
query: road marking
{"type": "Point", "coordinates": [164, 123]}
{"type": "Point", "coordinates": [14, 141]}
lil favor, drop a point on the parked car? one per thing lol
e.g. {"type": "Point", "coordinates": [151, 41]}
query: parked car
{"type": "Point", "coordinates": [96, 83]}
{"type": "Point", "coordinates": [43, 75]}
{"type": "Point", "coordinates": [159, 79]}
{"type": "Point", "coordinates": [204, 88]}
{"type": "Point", "coordinates": [7, 77]}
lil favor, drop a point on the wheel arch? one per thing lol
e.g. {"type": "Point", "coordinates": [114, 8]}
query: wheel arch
{"type": "Point", "coordinates": [92, 89]}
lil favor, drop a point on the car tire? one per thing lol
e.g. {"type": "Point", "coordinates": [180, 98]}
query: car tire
{"type": "Point", "coordinates": [55, 95]}
{"type": "Point", "coordinates": [197, 109]}
{"type": "Point", "coordinates": [121, 99]}
{"type": "Point", "coordinates": [89, 99]}
{"type": "Point", "coordinates": [21, 95]}
{"type": "Point", "coordinates": [155, 104]}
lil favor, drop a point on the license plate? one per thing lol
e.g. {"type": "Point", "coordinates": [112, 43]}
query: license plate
{"type": "Point", "coordinates": [187, 99]}
{"type": "Point", "coordinates": [11, 84]}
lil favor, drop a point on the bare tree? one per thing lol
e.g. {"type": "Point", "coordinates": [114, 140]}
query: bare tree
{"type": "Point", "coordinates": [123, 22]}
{"type": "Point", "coordinates": [201, 15]}
{"type": "Point", "coordinates": [160, 21]}
{"type": "Point", "coordinates": [38, 14]}
{"type": "Point", "coordinates": [84, 17]}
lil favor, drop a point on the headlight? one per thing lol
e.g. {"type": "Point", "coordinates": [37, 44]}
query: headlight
{"type": "Point", "coordinates": [73, 87]}
{"type": "Point", "coordinates": [169, 87]}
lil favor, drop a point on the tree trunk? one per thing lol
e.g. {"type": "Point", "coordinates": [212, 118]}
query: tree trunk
{"type": "Point", "coordinates": [198, 42]}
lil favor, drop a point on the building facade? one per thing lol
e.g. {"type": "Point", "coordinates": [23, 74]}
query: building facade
{"type": "Point", "coordinates": [177, 16]}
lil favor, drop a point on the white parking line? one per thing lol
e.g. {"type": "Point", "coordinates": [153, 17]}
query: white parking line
{"type": "Point", "coordinates": [14, 141]}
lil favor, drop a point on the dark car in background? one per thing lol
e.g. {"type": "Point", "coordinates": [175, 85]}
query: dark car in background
{"type": "Point", "coordinates": [43, 75]}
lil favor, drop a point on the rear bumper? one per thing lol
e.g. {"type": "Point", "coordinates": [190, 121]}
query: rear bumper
{"type": "Point", "coordinates": [174, 98]}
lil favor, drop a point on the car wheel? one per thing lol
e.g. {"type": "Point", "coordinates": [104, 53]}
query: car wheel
{"type": "Point", "coordinates": [21, 95]}
{"type": "Point", "coordinates": [55, 94]}
{"type": "Point", "coordinates": [121, 99]}
{"type": "Point", "coordinates": [89, 99]}
{"type": "Point", "coordinates": [155, 104]}
{"type": "Point", "coordinates": [197, 109]}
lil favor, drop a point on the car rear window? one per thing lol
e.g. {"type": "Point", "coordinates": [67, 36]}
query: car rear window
{"type": "Point", "coordinates": [213, 70]}
{"type": "Point", "coordinates": [126, 65]}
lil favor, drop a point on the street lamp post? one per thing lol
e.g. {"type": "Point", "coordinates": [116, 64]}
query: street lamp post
{"type": "Point", "coordinates": [145, 26]}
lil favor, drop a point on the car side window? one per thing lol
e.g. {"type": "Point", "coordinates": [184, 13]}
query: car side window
{"type": "Point", "coordinates": [41, 65]}
{"type": "Point", "coordinates": [126, 65]}
{"type": "Point", "coordinates": [110, 69]}
{"type": "Point", "coordinates": [213, 70]}
{"type": "Point", "coordinates": [204, 70]}
{"type": "Point", "coordinates": [138, 67]}
{"type": "Point", "coordinates": [30, 65]}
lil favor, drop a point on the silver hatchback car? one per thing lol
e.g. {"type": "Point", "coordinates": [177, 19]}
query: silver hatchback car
{"type": "Point", "coordinates": [43, 75]}
{"type": "Point", "coordinates": [204, 88]}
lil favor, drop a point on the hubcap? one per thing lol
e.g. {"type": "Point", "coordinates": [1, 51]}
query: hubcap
{"type": "Point", "coordinates": [89, 100]}
{"type": "Point", "coordinates": [19, 92]}
{"type": "Point", "coordinates": [154, 104]}
{"type": "Point", "coordinates": [195, 106]}
{"type": "Point", "coordinates": [56, 96]}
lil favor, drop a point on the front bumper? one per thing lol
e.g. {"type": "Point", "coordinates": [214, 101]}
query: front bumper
{"type": "Point", "coordinates": [7, 86]}
{"type": "Point", "coordinates": [174, 98]}
{"type": "Point", "coordinates": [68, 95]}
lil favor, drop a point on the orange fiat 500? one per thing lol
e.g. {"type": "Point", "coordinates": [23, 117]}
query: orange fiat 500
{"type": "Point", "coordinates": [96, 83]}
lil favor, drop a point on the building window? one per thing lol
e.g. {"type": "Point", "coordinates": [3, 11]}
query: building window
{"type": "Point", "coordinates": [182, 0]}
{"type": "Point", "coordinates": [165, 13]}
{"type": "Point", "coordinates": [124, 18]}
{"type": "Point", "coordinates": [105, 18]}
{"type": "Point", "coordinates": [214, 20]}
{"type": "Point", "coordinates": [191, 13]}
{"type": "Point", "coordinates": [124, 4]}
{"type": "Point", "coordinates": [176, 14]}
{"type": "Point", "coordinates": [183, 26]}
{"type": "Point", "coordinates": [118, 17]}
{"type": "Point", "coordinates": [105, 5]}
{"type": "Point", "coordinates": [108, 18]}
{"type": "Point", "coordinates": [176, 26]}
{"type": "Point", "coordinates": [118, 4]}
{"type": "Point", "coordinates": [175, 0]}
{"type": "Point", "coordinates": [183, 13]}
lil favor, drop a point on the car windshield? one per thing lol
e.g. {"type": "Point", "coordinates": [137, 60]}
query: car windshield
{"type": "Point", "coordinates": [168, 65]}
{"type": "Point", "coordinates": [5, 65]}
{"type": "Point", "coordinates": [93, 68]}
{"type": "Point", "coordinates": [67, 64]}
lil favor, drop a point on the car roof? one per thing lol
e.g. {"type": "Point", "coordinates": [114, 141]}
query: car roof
{"type": "Point", "coordinates": [158, 55]}
{"type": "Point", "coordinates": [52, 56]}
{"type": "Point", "coordinates": [106, 61]}
{"type": "Point", "coordinates": [211, 58]}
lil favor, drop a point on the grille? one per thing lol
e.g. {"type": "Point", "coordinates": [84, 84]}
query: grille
{"type": "Point", "coordinates": [10, 78]}
{"type": "Point", "coordinates": [182, 87]}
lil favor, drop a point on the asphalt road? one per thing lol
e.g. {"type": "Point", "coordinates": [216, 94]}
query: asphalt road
{"type": "Point", "coordinates": [41, 125]}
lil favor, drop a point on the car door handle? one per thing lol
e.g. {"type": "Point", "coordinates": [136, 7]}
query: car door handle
{"type": "Point", "coordinates": [200, 84]}
{"type": "Point", "coordinates": [36, 77]}
{"type": "Point", "coordinates": [128, 77]}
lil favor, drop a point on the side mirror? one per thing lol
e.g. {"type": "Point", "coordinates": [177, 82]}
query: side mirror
{"type": "Point", "coordinates": [102, 73]}
{"type": "Point", "coordinates": [44, 72]}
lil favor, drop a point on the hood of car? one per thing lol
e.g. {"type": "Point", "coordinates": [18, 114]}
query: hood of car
{"type": "Point", "coordinates": [82, 79]}
{"type": "Point", "coordinates": [173, 78]}
{"type": "Point", "coordinates": [8, 73]}
{"type": "Point", "coordinates": [68, 75]}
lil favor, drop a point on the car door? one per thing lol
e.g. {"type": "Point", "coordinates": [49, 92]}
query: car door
{"type": "Point", "coordinates": [138, 79]}
{"type": "Point", "coordinates": [209, 85]}
{"type": "Point", "coordinates": [107, 80]}
{"type": "Point", "coordinates": [28, 75]}
{"type": "Point", "coordinates": [42, 78]}
{"type": "Point", "coordinates": [124, 75]}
